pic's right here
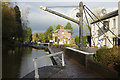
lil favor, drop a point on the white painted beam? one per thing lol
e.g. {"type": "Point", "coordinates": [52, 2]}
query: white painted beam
{"type": "Point", "coordinates": [50, 55]}
{"type": "Point", "coordinates": [83, 52]}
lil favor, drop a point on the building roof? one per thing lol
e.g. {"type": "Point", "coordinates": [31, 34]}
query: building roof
{"type": "Point", "coordinates": [69, 31]}
{"type": "Point", "coordinates": [107, 16]}
{"type": "Point", "coordinates": [64, 36]}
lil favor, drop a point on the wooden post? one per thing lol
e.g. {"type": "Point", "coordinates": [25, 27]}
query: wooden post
{"type": "Point", "coordinates": [63, 63]}
{"type": "Point", "coordinates": [36, 69]}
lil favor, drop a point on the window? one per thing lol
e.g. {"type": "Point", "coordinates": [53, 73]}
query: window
{"type": "Point", "coordinates": [106, 25]}
{"type": "Point", "coordinates": [114, 23]}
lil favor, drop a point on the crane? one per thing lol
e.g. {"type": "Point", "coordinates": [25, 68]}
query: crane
{"type": "Point", "coordinates": [79, 22]}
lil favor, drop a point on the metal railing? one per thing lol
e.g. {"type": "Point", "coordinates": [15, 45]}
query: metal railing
{"type": "Point", "coordinates": [35, 60]}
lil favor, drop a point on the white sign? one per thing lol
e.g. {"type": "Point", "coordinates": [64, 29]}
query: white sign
{"type": "Point", "coordinates": [51, 40]}
{"type": "Point", "coordinates": [99, 44]}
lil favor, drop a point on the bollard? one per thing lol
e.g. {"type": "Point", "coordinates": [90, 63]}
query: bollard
{"type": "Point", "coordinates": [36, 69]}
{"type": "Point", "coordinates": [63, 63]}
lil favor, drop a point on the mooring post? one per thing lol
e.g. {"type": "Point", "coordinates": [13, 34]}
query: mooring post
{"type": "Point", "coordinates": [36, 69]}
{"type": "Point", "coordinates": [63, 63]}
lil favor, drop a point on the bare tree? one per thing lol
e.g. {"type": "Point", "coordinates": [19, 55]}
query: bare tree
{"type": "Point", "coordinates": [25, 20]}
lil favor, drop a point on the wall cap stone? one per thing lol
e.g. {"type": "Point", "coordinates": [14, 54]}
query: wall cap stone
{"type": "Point", "coordinates": [83, 52]}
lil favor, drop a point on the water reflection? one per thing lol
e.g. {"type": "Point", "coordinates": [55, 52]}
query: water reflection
{"type": "Point", "coordinates": [11, 62]}
{"type": "Point", "coordinates": [18, 61]}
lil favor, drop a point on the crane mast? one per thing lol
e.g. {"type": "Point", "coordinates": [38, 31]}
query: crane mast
{"type": "Point", "coordinates": [79, 22]}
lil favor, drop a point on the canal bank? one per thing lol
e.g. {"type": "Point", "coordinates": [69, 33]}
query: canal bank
{"type": "Point", "coordinates": [72, 69]}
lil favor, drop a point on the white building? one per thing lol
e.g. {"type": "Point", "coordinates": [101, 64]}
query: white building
{"type": "Point", "coordinates": [106, 30]}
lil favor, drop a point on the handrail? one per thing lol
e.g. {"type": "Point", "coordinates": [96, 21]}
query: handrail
{"type": "Point", "coordinates": [35, 60]}
{"type": "Point", "coordinates": [50, 55]}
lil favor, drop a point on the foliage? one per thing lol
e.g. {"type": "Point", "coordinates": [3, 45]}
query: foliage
{"type": "Point", "coordinates": [71, 45]}
{"type": "Point", "coordinates": [58, 26]}
{"type": "Point", "coordinates": [48, 34]}
{"type": "Point", "coordinates": [35, 37]}
{"type": "Point", "coordinates": [77, 40]}
{"type": "Point", "coordinates": [56, 39]}
{"type": "Point", "coordinates": [28, 35]}
{"type": "Point", "coordinates": [12, 28]}
{"type": "Point", "coordinates": [109, 57]}
{"type": "Point", "coordinates": [68, 26]}
{"type": "Point", "coordinates": [84, 38]}
{"type": "Point", "coordinates": [19, 31]}
{"type": "Point", "coordinates": [18, 14]}
{"type": "Point", "coordinates": [41, 37]}
{"type": "Point", "coordinates": [8, 22]}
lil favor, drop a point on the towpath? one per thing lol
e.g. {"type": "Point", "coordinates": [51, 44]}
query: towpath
{"type": "Point", "coordinates": [72, 69]}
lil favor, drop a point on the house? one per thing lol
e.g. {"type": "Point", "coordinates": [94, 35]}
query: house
{"type": "Point", "coordinates": [106, 30]}
{"type": "Point", "coordinates": [62, 36]}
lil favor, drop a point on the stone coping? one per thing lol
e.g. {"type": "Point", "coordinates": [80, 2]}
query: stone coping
{"type": "Point", "coordinates": [83, 52]}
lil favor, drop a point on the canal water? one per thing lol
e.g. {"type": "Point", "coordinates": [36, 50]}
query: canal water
{"type": "Point", "coordinates": [18, 61]}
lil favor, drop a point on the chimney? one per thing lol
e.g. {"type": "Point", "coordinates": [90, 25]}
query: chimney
{"type": "Point", "coordinates": [119, 17]}
{"type": "Point", "coordinates": [61, 27]}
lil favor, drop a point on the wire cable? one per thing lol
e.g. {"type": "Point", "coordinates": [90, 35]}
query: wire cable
{"type": "Point", "coordinates": [98, 26]}
{"type": "Point", "coordinates": [100, 21]}
{"type": "Point", "coordinates": [88, 24]}
{"type": "Point", "coordinates": [87, 21]}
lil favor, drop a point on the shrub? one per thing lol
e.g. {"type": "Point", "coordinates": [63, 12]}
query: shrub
{"type": "Point", "coordinates": [109, 57]}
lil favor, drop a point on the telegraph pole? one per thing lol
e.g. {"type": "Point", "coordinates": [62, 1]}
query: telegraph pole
{"type": "Point", "coordinates": [81, 24]}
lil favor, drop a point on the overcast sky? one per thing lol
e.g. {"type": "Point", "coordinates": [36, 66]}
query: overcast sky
{"type": "Point", "coordinates": [40, 20]}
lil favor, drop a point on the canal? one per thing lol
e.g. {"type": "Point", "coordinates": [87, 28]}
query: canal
{"type": "Point", "coordinates": [18, 61]}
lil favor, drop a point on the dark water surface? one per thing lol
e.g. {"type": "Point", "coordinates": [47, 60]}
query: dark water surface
{"type": "Point", "coordinates": [18, 61]}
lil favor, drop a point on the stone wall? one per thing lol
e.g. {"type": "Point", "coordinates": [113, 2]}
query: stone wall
{"type": "Point", "coordinates": [86, 59]}
{"type": "Point", "coordinates": [79, 56]}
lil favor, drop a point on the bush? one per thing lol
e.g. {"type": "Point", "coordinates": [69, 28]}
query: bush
{"type": "Point", "coordinates": [109, 57]}
{"type": "Point", "coordinates": [71, 45]}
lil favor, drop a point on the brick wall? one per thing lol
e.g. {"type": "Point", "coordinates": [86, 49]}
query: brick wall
{"type": "Point", "coordinates": [63, 34]}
